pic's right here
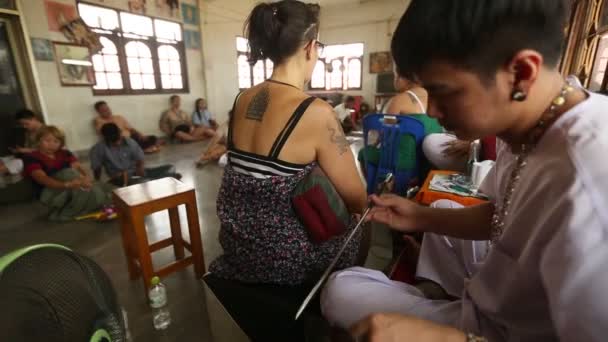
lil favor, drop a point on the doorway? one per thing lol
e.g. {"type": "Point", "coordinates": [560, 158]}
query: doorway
{"type": "Point", "coordinates": [15, 81]}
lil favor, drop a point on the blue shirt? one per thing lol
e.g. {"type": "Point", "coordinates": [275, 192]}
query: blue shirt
{"type": "Point", "coordinates": [202, 118]}
{"type": "Point", "coordinates": [116, 159]}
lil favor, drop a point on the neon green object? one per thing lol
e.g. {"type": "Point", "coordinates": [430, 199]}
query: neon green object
{"type": "Point", "coordinates": [14, 255]}
{"type": "Point", "coordinates": [99, 335]}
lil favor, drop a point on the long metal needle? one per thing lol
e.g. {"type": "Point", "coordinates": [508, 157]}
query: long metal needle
{"type": "Point", "coordinates": [337, 257]}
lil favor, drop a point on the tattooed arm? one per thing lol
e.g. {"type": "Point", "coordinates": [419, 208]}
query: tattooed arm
{"type": "Point", "coordinates": [336, 159]}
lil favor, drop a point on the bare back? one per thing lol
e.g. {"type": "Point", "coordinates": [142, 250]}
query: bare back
{"type": "Point", "coordinates": [265, 113]}
{"type": "Point", "coordinates": [260, 115]}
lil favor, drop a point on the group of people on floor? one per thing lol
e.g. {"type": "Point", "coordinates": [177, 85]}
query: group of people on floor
{"type": "Point", "coordinates": [42, 167]}
{"type": "Point", "coordinates": [527, 265]}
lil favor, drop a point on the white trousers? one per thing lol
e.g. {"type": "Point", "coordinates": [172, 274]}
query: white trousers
{"type": "Point", "coordinates": [355, 293]}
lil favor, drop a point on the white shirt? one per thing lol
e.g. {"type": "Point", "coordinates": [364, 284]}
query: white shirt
{"type": "Point", "coordinates": [547, 276]}
{"type": "Point", "coordinates": [342, 111]}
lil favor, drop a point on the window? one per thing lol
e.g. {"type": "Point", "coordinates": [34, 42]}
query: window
{"type": "Point", "coordinates": [250, 75]}
{"type": "Point", "coordinates": [599, 69]}
{"type": "Point", "coordinates": [339, 67]}
{"type": "Point", "coordinates": [140, 55]}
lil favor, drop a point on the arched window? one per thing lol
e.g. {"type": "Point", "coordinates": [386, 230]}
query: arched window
{"type": "Point", "coordinates": [139, 54]}
{"type": "Point", "coordinates": [107, 66]}
{"type": "Point", "coordinates": [170, 67]}
{"type": "Point", "coordinates": [139, 63]}
{"type": "Point", "coordinates": [354, 73]}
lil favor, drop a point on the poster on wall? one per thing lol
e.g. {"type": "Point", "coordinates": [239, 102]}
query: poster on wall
{"type": "Point", "coordinates": [74, 64]}
{"type": "Point", "coordinates": [78, 32]}
{"type": "Point", "coordinates": [380, 62]}
{"type": "Point", "coordinates": [190, 14]}
{"type": "Point", "coordinates": [192, 39]}
{"type": "Point", "coordinates": [43, 49]}
{"type": "Point", "coordinates": [8, 4]}
{"type": "Point", "coordinates": [59, 14]}
{"type": "Point", "coordinates": [168, 8]}
{"type": "Point", "coordinates": [137, 6]}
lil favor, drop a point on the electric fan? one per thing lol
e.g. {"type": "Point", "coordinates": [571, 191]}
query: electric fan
{"type": "Point", "coordinates": [49, 293]}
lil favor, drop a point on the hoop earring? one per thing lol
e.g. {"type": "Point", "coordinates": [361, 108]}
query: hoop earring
{"type": "Point", "coordinates": [519, 95]}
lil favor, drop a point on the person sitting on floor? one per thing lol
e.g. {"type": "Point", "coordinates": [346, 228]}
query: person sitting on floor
{"type": "Point", "coordinates": [277, 136]}
{"type": "Point", "coordinates": [543, 278]}
{"type": "Point", "coordinates": [202, 117]}
{"type": "Point", "coordinates": [123, 160]}
{"type": "Point", "coordinates": [344, 113]}
{"type": "Point", "coordinates": [31, 124]}
{"type": "Point", "coordinates": [60, 181]}
{"type": "Point", "coordinates": [217, 148]}
{"type": "Point", "coordinates": [149, 143]}
{"type": "Point", "coordinates": [177, 124]}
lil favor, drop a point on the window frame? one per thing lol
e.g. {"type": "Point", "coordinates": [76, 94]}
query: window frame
{"type": "Point", "coordinates": [153, 44]}
{"type": "Point", "coordinates": [344, 60]}
{"type": "Point", "coordinates": [251, 78]}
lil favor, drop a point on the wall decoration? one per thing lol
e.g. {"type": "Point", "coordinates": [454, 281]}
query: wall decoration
{"type": "Point", "coordinates": [169, 8]}
{"type": "Point", "coordinates": [43, 50]}
{"type": "Point", "coordinates": [78, 32]}
{"type": "Point", "coordinates": [192, 39]}
{"type": "Point", "coordinates": [74, 64]}
{"type": "Point", "coordinates": [59, 14]}
{"type": "Point", "coordinates": [8, 4]}
{"type": "Point", "coordinates": [190, 14]}
{"type": "Point", "coordinates": [380, 62]}
{"type": "Point", "coordinates": [137, 6]}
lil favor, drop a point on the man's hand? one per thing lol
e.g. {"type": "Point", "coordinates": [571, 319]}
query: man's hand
{"type": "Point", "coordinates": [456, 148]}
{"type": "Point", "coordinates": [399, 328]}
{"type": "Point", "coordinates": [397, 212]}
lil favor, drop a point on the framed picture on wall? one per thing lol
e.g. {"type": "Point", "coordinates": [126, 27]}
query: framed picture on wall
{"type": "Point", "coordinates": [380, 62]}
{"type": "Point", "coordinates": [192, 39]}
{"type": "Point", "coordinates": [190, 14]}
{"type": "Point", "coordinates": [43, 49]}
{"type": "Point", "coordinates": [74, 64]}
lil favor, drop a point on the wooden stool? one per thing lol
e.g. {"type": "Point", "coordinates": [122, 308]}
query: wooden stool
{"type": "Point", "coordinates": [134, 203]}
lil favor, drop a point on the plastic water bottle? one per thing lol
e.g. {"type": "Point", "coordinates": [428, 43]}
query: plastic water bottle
{"type": "Point", "coordinates": [158, 303]}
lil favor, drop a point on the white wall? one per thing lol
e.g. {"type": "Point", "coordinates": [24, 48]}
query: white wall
{"type": "Point", "coordinates": [371, 23]}
{"type": "Point", "coordinates": [71, 108]}
{"type": "Point", "coordinates": [222, 23]}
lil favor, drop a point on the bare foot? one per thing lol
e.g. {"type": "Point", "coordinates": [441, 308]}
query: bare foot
{"type": "Point", "coordinates": [152, 149]}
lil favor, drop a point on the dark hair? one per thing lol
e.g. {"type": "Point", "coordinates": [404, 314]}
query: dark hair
{"type": "Point", "coordinates": [478, 35]}
{"type": "Point", "coordinates": [25, 114]}
{"type": "Point", "coordinates": [276, 30]}
{"type": "Point", "coordinates": [349, 99]}
{"type": "Point", "coordinates": [196, 103]}
{"type": "Point", "coordinates": [98, 105]}
{"type": "Point", "coordinates": [173, 97]}
{"type": "Point", "coordinates": [110, 132]}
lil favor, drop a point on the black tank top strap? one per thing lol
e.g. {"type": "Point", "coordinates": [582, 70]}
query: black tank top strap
{"type": "Point", "coordinates": [230, 118]}
{"type": "Point", "coordinates": [289, 127]}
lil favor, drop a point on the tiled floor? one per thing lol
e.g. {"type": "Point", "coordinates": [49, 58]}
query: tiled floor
{"type": "Point", "coordinates": [196, 314]}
